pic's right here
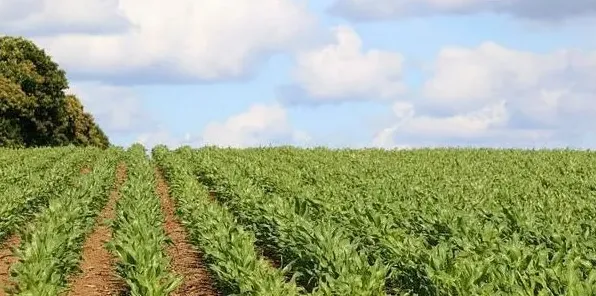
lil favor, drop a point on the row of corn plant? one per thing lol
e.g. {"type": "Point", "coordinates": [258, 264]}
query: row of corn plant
{"type": "Point", "coordinates": [20, 201]}
{"type": "Point", "coordinates": [17, 170]}
{"type": "Point", "coordinates": [448, 222]}
{"type": "Point", "coordinates": [51, 245]}
{"type": "Point", "coordinates": [459, 257]}
{"type": "Point", "coordinates": [321, 192]}
{"type": "Point", "coordinates": [138, 235]}
{"type": "Point", "coordinates": [324, 260]}
{"type": "Point", "coordinates": [296, 177]}
{"type": "Point", "coordinates": [9, 156]}
{"type": "Point", "coordinates": [228, 249]}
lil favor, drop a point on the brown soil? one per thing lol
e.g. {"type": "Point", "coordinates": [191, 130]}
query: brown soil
{"type": "Point", "coordinates": [186, 261]}
{"type": "Point", "coordinates": [7, 259]}
{"type": "Point", "coordinates": [98, 276]}
{"type": "Point", "coordinates": [85, 170]}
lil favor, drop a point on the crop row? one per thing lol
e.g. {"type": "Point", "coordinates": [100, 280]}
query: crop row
{"type": "Point", "coordinates": [427, 216]}
{"type": "Point", "coordinates": [16, 170]}
{"type": "Point", "coordinates": [323, 259]}
{"type": "Point", "coordinates": [228, 248]}
{"type": "Point", "coordinates": [138, 235]}
{"type": "Point", "coordinates": [11, 157]}
{"type": "Point", "coordinates": [51, 244]}
{"type": "Point", "coordinates": [21, 201]}
{"type": "Point", "coordinates": [489, 237]}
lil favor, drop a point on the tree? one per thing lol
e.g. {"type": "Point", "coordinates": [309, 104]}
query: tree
{"type": "Point", "coordinates": [79, 126]}
{"type": "Point", "coordinates": [34, 109]}
{"type": "Point", "coordinates": [16, 112]}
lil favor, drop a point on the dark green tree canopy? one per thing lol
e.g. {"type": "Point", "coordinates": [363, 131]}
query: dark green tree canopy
{"type": "Point", "coordinates": [34, 110]}
{"type": "Point", "coordinates": [24, 63]}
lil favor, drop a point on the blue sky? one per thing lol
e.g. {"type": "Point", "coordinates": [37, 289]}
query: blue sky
{"type": "Point", "coordinates": [338, 73]}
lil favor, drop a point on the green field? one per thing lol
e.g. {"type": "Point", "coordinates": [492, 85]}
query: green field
{"type": "Point", "coordinates": [289, 221]}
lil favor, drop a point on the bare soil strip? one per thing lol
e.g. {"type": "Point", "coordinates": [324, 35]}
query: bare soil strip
{"type": "Point", "coordinates": [98, 275]}
{"type": "Point", "coordinates": [7, 259]}
{"type": "Point", "coordinates": [186, 261]}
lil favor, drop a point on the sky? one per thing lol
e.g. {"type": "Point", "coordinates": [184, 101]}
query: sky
{"type": "Point", "coordinates": [336, 73]}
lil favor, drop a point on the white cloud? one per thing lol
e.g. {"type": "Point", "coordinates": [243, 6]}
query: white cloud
{"type": "Point", "coordinates": [553, 10]}
{"type": "Point", "coordinates": [259, 125]}
{"type": "Point", "coordinates": [34, 17]}
{"type": "Point", "coordinates": [463, 75]}
{"type": "Point", "coordinates": [116, 109]}
{"type": "Point", "coordinates": [182, 40]}
{"type": "Point", "coordinates": [456, 127]}
{"type": "Point", "coordinates": [342, 71]}
{"type": "Point", "coordinates": [491, 95]}
{"type": "Point", "coordinates": [466, 130]}
{"type": "Point", "coordinates": [543, 88]}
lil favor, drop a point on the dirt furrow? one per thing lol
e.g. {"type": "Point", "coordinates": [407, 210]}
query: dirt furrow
{"type": "Point", "coordinates": [186, 261]}
{"type": "Point", "coordinates": [98, 276]}
{"type": "Point", "coordinates": [7, 259]}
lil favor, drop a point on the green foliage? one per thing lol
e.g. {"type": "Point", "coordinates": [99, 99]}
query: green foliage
{"type": "Point", "coordinates": [346, 222]}
{"type": "Point", "coordinates": [22, 197]}
{"type": "Point", "coordinates": [138, 235]}
{"type": "Point", "coordinates": [30, 67]}
{"type": "Point", "coordinates": [228, 248]}
{"type": "Point", "coordinates": [442, 222]}
{"type": "Point", "coordinates": [80, 127]}
{"type": "Point", "coordinates": [34, 110]}
{"type": "Point", "coordinates": [323, 259]}
{"type": "Point", "coordinates": [51, 245]}
{"type": "Point", "coordinates": [17, 164]}
{"type": "Point", "coordinates": [16, 113]}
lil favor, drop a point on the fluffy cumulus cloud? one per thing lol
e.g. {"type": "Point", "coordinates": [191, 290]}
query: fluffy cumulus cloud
{"type": "Point", "coordinates": [555, 88]}
{"type": "Point", "coordinates": [118, 110]}
{"type": "Point", "coordinates": [168, 41]}
{"type": "Point", "coordinates": [492, 93]}
{"type": "Point", "coordinates": [343, 71]}
{"type": "Point", "coordinates": [485, 126]}
{"type": "Point", "coordinates": [42, 17]}
{"type": "Point", "coordinates": [554, 10]}
{"type": "Point", "coordinates": [260, 125]}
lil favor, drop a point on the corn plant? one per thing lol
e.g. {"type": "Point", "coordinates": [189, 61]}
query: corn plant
{"type": "Point", "coordinates": [139, 238]}
{"type": "Point", "coordinates": [18, 169]}
{"type": "Point", "coordinates": [51, 245]}
{"type": "Point", "coordinates": [445, 222]}
{"type": "Point", "coordinates": [20, 201]}
{"type": "Point", "coordinates": [324, 260]}
{"type": "Point", "coordinates": [10, 156]}
{"type": "Point", "coordinates": [228, 249]}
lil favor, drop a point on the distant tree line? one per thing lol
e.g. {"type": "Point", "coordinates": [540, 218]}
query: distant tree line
{"type": "Point", "coordinates": [35, 111]}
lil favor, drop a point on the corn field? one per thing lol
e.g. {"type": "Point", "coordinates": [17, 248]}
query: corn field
{"type": "Point", "coordinates": [288, 221]}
